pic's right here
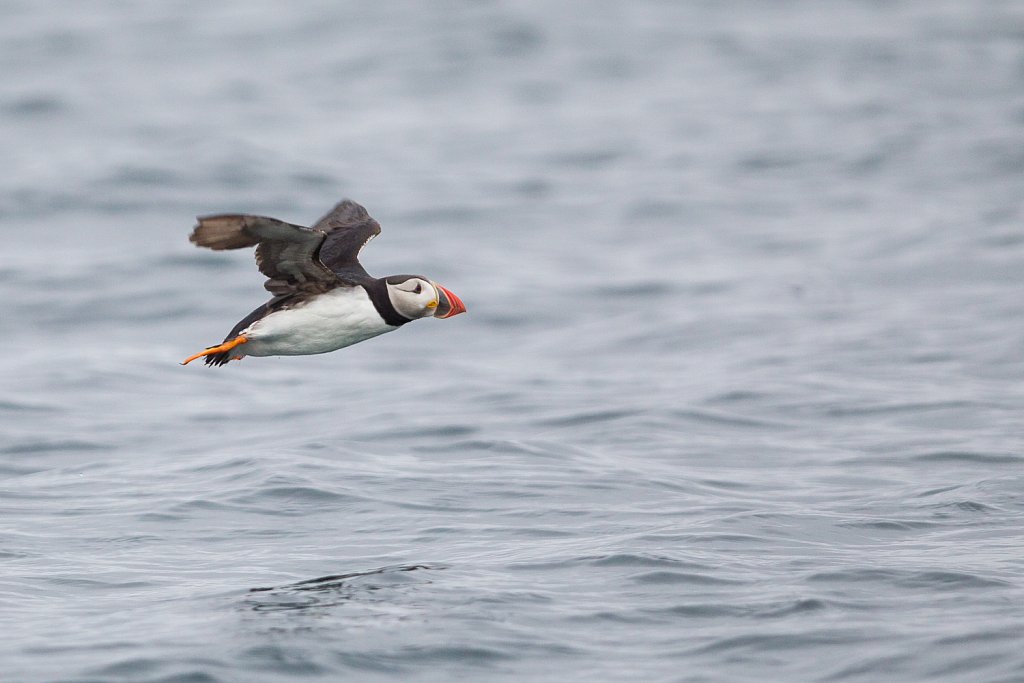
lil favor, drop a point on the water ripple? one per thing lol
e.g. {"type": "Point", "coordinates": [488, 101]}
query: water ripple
{"type": "Point", "coordinates": [738, 395]}
{"type": "Point", "coordinates": [336, 590]}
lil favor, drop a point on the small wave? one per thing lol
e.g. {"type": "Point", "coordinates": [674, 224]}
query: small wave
{"type": "Point", "coordinates": [283, 501]}
{"type": "Point", "coordinates": [894, 408]}
{"type": "Point", "coordinates": [37, 105]}
{"type": "Point", "coordinates": [461, 654]}
{"type": "Point", "coordinates": [963, 506]}
{"type": "Point", "coordinates": [716, 609]}
{"type": "Point", "coordinates": [586, 158]}
{"type": "Point", "coordinates": [654, 209]}
{"type": "Point", "coordinates": [642, 560]}
{"type": "Point", "coordinates": [728, 419]}
{"type": "Point", "coordinates": [711, 537]}
{"type": "Point", "coordinates": [15, 471]}
{"type": "Point", "coordinates": [701, 610]}
{"type": "Point", "coordinates": [969, 456]}
{"type": "Point", "coordinates": [283, 660]}
{"type": "Point", "coordinates": [336, 580]}
{"type": "Point", "coordinates": [539, 532]}
{"type": "Point", "coordinates": [645, 288]}
{"type": "Point", "coordinates": [983, 636]}
{"type": "Point", "coordinates": [887, 666]}
{"type": "Point", "coordinates": [775, 642]}
{"type": "Point", "coordinates": [801, 606]}
{"type": "Point", "coordinates": [535, 448]}
{"type": "Point", "coordinates": [243, 463]}
{"type": "Point", "coordinates": [909, 579]}
{"type": "Point", "coordinates": [134, 666]}
{"type": "Point", "coordinates": [446, 431]}
{"type": "Point", "coordinates": [738, 396]}
{"type": "Point", "coordinates": [675, 577]}
{"type": "Point", "coordinates": [158, 517]}
{"type": "Point", "coordinates": [53, 447]}
{"type": "Point", "coordinates": [614, 560]}
{"type": "Point", "coordinates": [333, 589]}
{"type": "Point", "coordinates": [332, 580]}
{"type": "Point", "coordinates": [585, 418]}
{"type": "Point", "coordinates": [96, 583]}
{"type": "Point", "coordinates": [942, 489]}
{"type": "Point", "coordinates": [306, 494]}
{"type": "Point", "coordinates": [21, 406]}
{"type": "Point", "coordinates": [888, 524]}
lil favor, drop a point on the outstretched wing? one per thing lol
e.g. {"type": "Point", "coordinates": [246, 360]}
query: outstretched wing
{"type": "Point", "coordinates": [285, 253]}
{"type": "Point", "coordinates": [348, 227]}
{"type": "Point", "coordinates": [295, 258]}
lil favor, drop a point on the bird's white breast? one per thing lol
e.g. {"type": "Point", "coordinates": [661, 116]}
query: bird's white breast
{"type": "Point", "coordinates": [327, 322]}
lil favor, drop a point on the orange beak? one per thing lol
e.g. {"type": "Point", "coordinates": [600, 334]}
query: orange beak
{"type": "Point", "coordinates": [449, 304]}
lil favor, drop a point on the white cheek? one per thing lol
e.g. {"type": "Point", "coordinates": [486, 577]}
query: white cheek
{"type": "Point", "coordinates": [408, 304]}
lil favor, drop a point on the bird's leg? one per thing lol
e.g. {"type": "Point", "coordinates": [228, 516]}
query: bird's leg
{"type": "Point", "coordinates": [226, 346]}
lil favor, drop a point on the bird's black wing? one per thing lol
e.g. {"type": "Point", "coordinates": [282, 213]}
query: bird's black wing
{"type": "Point", "coordinates": [285, 253]}
{"type": "Point", "coordinates": [348, 227]}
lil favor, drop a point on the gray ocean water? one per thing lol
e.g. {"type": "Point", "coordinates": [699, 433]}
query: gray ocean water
{"type": "Point", "coordinates": [738, 397]}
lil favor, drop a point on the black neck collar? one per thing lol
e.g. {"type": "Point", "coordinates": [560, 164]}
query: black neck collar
{"type": "Point", "coordinates": [378, 292]}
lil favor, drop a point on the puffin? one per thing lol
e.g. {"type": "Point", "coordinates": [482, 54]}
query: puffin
{"type": "Point", "coordinates": [323, 299]}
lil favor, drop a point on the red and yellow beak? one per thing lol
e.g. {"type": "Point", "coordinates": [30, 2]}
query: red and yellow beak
{"type": "Point", "coordinates": [447, 303]}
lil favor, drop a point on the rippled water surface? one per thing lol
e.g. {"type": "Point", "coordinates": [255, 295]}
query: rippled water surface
{"type": "Point", "coordinates": [739, 395]}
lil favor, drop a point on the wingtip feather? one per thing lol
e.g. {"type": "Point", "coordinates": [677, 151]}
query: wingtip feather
{"type": "Point", "coordinates": [221, 232]}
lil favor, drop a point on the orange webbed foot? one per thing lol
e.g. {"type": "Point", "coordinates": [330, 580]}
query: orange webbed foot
{"type": "Point", "coordinates": [226, 346]}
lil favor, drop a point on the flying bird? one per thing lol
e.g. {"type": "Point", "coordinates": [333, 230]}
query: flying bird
{"type": "Point", "coordinates": [323, 298]}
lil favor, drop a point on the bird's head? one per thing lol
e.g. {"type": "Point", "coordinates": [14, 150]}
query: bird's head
{"type": "Point", "coordinates": [414, 296]}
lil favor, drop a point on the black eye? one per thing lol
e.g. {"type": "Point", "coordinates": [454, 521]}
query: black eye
{"type": "Point", "coordinates": [419, 288]}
